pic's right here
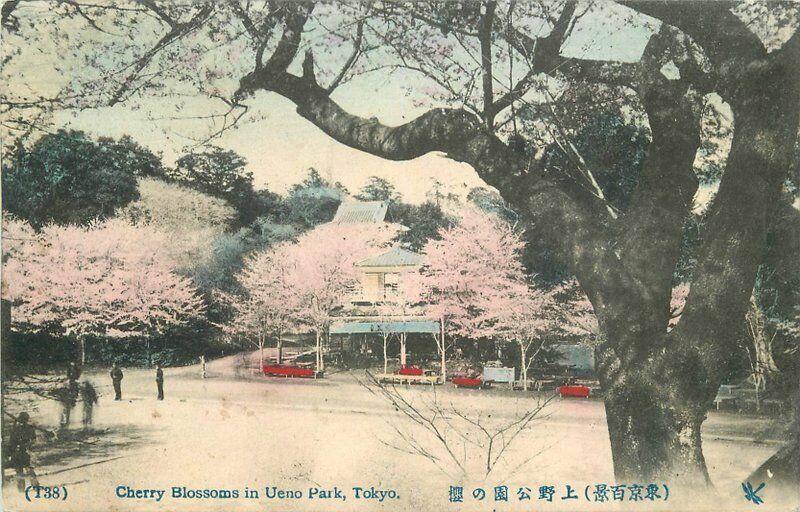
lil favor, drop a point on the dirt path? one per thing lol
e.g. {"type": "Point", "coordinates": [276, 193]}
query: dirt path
{"type": "Point", "coordinates": [225, 432]}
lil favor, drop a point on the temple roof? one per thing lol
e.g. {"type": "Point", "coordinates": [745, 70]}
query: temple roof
{"type": "Point", "coordinates": [360, 212]}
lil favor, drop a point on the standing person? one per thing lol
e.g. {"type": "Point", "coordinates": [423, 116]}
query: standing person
{"type": "Point", "coordinates": [116, 378]}
{"type": "Point", "coordinates": [20, 442]}
{"type": "Point", "coordinates": [160, 381]}
{"type": "Point", "coordinates": [73, 372]}
{"type": "Point", "coordinates": [89, 398]}
{"type": "Point", "coordinates": [67, 396]}
{"type": "Point", "coordinates": [203, 366]}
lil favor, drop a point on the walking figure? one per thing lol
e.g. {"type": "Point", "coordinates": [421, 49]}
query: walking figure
{"type": "Point", "coordinates": [20, 442]}
{"type": "Point", "coordinates": [160, 381]}
{"type": "Point", "coordinates": [116, 378]}
{"type": "Point", "coordinates": [89, 398]}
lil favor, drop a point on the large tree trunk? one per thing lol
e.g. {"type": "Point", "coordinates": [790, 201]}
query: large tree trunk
{"type": "Point", "coordinates": [658, 387]}
{"type": "Point", "coordinates": [653, 426]}
{"type": "Point", "coordinates": [280, 349]}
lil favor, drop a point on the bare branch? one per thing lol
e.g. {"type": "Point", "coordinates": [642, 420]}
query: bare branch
{"type": "Point", "coordinates": [352, 59]}
{"type": "Point", "coordinates": [178, 30]}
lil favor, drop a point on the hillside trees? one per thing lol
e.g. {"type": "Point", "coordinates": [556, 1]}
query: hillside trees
{"type": "Point", "coordinates": [220, 173]}
{"type": "Point", "coordinates": [65, 177]}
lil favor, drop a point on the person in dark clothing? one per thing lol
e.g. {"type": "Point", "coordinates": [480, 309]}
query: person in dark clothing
{"type": "Point", "coordinates": [89, 399]}
{"type": "Point", "coordinates": [116, 378]}
{"type": "Point", "coordinates": [73, 372]}
{"type": "Point", "coordinates": [67, 396]}
{"type": "Point", "coordinates": [160, 381]}
{"type": "Point", "coordinates": [22, 437]}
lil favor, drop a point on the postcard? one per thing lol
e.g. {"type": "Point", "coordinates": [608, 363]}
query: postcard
{"type": "Point", "coordinates": [370, 255]}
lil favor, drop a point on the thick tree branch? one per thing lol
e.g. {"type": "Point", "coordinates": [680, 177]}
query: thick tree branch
{"type": "Point", "coordinates": [543, 57]}
{"type": "Point", "coordinates": [563, 221]}
{"type": "Point", "coordinates": [289, 43]}
{"type": "Point", "coordinates": [9, 20]}
{"type": "Point", "coordinates": [767, 114]}
{"type": "Point", "coordinates": [485, 39]}
{"type": "Point", "coordinates": [569, 226]}
{"type": "Point", "coordinates": [259, 35]}
{"type": "Point", "coordinates": [542, 54]}
{"type": "Point", "coordinates": [662, 199]}
{"type": "Point", "coordinates": [663, 196]}
{"type": "Point", "coordinates": [724, 37]}
{"type": "Point", "coordinates": [711, 24]}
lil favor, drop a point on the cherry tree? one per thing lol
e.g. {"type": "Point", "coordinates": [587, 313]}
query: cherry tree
{"type": "Point", "coordinates": [268, 305]}
{"type": "Point", "coordinates": [106, 279]}
{"type": "Point", "coordinates": [323, 273]}
{"type": "Point", "coordinates": [521, 317]}
{"type": "Point", "coordinates": [473, 267]}
{"type": "Point", "coordinates": [530, 316]}
{"type": "Point", "coordinates": [473, 280]}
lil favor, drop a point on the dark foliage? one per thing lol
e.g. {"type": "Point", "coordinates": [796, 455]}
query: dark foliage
{"type": "Point", "coordinates": [313, 201]}
{"type": "Point", "coordinates": [378, 189]}
{"type": "Point", "coordinates": [67, 178]}
{"type": "Point", "coordinates": [221, 173]}
{"type": "Point", "coordinates": [423, 222]}
{"type": "Point", "coordinates": [613, 150]}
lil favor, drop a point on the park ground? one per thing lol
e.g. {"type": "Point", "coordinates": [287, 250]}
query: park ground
{"type": "Point", "coordinates": [232, 430]}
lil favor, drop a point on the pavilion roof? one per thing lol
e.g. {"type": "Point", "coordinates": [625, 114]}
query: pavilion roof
{"type": "Point", "coordinates": [396, 257]}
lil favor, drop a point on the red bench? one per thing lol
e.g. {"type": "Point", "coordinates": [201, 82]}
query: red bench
{"type": "Point", "coordinates": [467, 382]}
{"type": "Point", "coordinates": [578, 391]}
{"type": "Point", "coordinates": [283, 370]}
{"type": "Point", "coordinates": [410, 370]}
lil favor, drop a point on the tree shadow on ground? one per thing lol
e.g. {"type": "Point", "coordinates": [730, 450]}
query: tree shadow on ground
{"type": "Point", "coordinates": [83, 447]}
